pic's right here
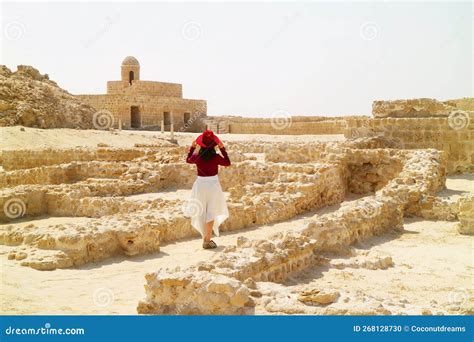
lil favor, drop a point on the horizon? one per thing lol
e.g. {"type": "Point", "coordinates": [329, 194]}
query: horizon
{"type": "Point", "coordinates": [253, 59]}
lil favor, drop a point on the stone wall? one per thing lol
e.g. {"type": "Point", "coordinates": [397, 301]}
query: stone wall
{"type": "Point", "coordinates": [151, 110]}
{"type": "Point", "coordinates": [26, 159]}
{"type": "Point", "coordinates": [293, 127]}
{"type": "Point", "coordinates": [416, 108]}
{"type": "Point", "coordinates": [466, 103]}
{"type": "Point", "coordinates": [139, 87]}
{"type": "Point", "coordinates": [453, 135]}
{"type": "Point", "coordinates": [406, 124]}
{"type": "Point", "coordinates": [277, 125]}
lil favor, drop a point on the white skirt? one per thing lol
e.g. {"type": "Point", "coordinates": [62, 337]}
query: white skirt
{"type": "Point", "coordinates": [207, 203]}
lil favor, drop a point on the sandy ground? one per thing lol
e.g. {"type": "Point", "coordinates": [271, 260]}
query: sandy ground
{"type": "Point", "coordinates": [433, 265]}
{"type": "Point", "coordinates": [432, 274]}
{"type": "Point", "coordinates": [15, 138]}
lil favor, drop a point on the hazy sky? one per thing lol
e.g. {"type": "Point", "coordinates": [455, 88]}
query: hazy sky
{"type": "Point", "coordinates": [252, 59]}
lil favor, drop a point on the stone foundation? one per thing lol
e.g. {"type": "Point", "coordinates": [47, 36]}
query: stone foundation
{"type": "Point", "coordinates": [281, 255]}
{"type": "Point", "coordinates": [105, 192]}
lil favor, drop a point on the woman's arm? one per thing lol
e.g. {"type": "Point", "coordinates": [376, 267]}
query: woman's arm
{"type": "Point", "coordinates": [224, 160]}
{"type": "Point", "coordinates": [190, 158]}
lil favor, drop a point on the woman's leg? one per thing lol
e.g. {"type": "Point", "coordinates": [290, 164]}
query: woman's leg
{"type": "Point", "coordinates": [208, 235]}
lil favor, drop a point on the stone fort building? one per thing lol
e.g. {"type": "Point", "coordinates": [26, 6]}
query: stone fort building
{"type": "Point", "coordinates": [141, 104]}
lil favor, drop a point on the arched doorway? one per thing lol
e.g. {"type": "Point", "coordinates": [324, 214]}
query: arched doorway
{"type": "Point", "coordinates": [130, 77]}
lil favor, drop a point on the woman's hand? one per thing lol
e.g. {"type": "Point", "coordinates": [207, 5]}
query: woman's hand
{"type": "Point", "coordinates": [221, 145]}
{"type": "Point", "coordinates": [193, 145]}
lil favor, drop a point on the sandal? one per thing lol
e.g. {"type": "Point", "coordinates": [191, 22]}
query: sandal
{"type": "Point", "coordinates": [209, 244]}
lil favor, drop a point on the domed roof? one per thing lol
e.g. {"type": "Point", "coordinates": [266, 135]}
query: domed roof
{"type": "Point", "coordinates": [130, 60]}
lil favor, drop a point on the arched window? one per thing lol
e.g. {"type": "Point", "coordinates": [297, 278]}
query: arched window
{"type": "Point", "coordinates": [130, 77]}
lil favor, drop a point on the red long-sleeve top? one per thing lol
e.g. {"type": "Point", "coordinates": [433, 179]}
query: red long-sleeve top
{"type": "Point", "coordinates": [209, 167]}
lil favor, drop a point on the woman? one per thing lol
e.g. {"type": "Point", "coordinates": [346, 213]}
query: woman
{"type": "Point", "coordinates": [207, 206]}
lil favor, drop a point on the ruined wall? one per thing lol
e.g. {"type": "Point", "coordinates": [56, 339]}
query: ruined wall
{"type": "Point", "coordinates": [416, 108]}
{"type": "Point", "coordinates": [453, 135]}
{"type": "Point", "coordinates": [98, 191]}
{"type": "Point", "coordinates": [120, 197]}
{"type": "Point", "coordinates": [276, 258]}
{"type": "Point", "coordinates": [279, 124]}
{"type": "Point", "coordinates": [25, 159]}
{"type": "Point", "coordinates": [466, 103]}
{"type": "Point", "coordinates": [151, 109]}
{"type": "Point", "coordinates": [293, 127]}
{"type": "Point", "coordinates": [406, 124]}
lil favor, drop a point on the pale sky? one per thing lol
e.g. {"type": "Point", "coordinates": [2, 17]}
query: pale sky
{"type": "Point", "coordinates": [252, 59]}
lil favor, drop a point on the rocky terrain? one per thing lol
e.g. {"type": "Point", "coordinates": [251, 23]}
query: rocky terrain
{"type": "Point", "coordinates": [31, 99]}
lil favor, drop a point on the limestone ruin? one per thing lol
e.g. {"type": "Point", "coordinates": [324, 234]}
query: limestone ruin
{"type": "Point", "coordinates": [298, 207]}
